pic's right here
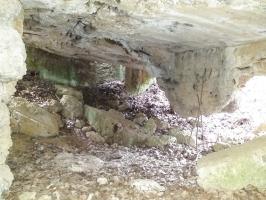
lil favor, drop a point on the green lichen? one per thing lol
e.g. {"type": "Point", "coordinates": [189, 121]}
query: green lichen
{"type": "Point", "coordinates": [234, 168]}
{"type": "Point", "coordinates": [52, 67]}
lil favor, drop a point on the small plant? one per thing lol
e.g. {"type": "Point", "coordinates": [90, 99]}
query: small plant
{"type": "Point", "coordinates": [198, 87]}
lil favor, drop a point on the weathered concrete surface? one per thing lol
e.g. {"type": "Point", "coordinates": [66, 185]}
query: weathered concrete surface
{"type": "Point", "coordinates": [176, 41]}
{"type": "Point", "coordinates": [12, 67]}
{"type": "Point", "coordinates": [234, 168]}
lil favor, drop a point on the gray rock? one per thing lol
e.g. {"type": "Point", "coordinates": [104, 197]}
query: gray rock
{"type": "Point", "coordinates": [95, 137]}
{"type": "Point", "coordinates": [45, 197]}
{"type": "Point", "coordinates": [102, 181]}
{"type": "Point", "coordinates": [72, 107]}
{"type": "Point", "coordinates": [182, 137]}
{"type": "Point", "coordinates": [160, 141]}
{"type": "Point", "coordinates": [147, 186]}
{"type": "Point", "coordinates": [140, 119]}
{"type": "Point", "coordinates": [79, 123]}
{"type": "Point", "coordinates": [234, 168]}
{"type": "Point", "coordinates": [161, 124]}
{"type": "Point", "coordinates": [124, 106]}
{"type": "Point", "coordinates": [86, 129]}
{"type": "Point", "coordinates": [62, 90]}
{"type": "Point", "coordinates": [114, 127]}
{"type": "Point", "coordinates": [79, 162]}
{"type": "Point", "coordinates": [150, 127]}
{"type": "Point", "coordinates": [27, 196]}
{"type": "Point", "coordinates": [31, 119]}
{"type": "Point", "coordinates": [220, 146]}
{"type": "Point", "coordinates": [53, 106]}
{"type": "Point", "coordinates": [116, 179]}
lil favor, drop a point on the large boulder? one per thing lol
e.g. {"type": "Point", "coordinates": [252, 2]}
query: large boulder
{"type": "Point", "coordinates": [234, 168]}
{"type": "Point", "coordinates": [114, 128]}
{"type": "Point", "coordinates": [72, 107]}
{"type": "Point", "coordinates": [31, 119]}
{"type": "Point", "coordinates": [12, 68]}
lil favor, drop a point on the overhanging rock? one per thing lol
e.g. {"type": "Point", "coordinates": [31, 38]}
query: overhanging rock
{"type": "Point", "coordinates": [179, 42]}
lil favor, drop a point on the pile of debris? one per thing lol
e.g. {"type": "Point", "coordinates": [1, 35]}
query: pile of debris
{"type": "Point", "coordinates": [61, 109]}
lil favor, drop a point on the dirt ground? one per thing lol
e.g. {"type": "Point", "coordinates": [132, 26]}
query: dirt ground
{"type": "Point", "coordinates": [68, 167]}
{"type": "Point", "coordinates": [35, 165]}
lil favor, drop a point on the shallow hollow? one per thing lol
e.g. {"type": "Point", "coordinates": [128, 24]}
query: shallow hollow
{"type": "Point", "coordinates": [132, 143]}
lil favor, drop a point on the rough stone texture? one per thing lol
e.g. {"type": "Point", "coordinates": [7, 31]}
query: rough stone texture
{"type": "Point", "coordinates": [71, 71]}
{"type": "Point", "coordinates": [146, 185]}
{"type": "Point", "coordinates": [62, 90]}
{"type": "Point", "coordinates": [27, 196]}
{"type": "Point", "coordinates": [182, 137]}
{"type": "Point", "coordinates": [72, 107]}
{"type": "Point", "coordinates": [220, 146]}
{"type": "Point", "coordinates": [31, 119]}
{"type": "Point", "coordinates": [114, 128]}
{"type": "Point", "coordinates": [234, 168]}
{"type": "Point", "coordinates": [6, 178]}
{"type": "Point", "coordinates": [12, 67]}
{"type": "Point", "coordinates": [137, 80]}
{"type": "Point", "coordinates": [95, 137]}
{"type": "Point", "coordinates": [52, 106]}
{"type": "Point", "coordinates": [78, 163]}
{"type": "Point", "coordinates": [160, 141]}
{"type": "Point", "coordinates": [180, 42]}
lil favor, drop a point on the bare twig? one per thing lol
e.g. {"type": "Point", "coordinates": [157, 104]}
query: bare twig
{"type": "Point", "coordinates": [199, 93]}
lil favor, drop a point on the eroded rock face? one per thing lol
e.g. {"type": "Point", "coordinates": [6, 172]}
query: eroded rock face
{"type": "Point", "coordinates": [183, 43]}
{"type": "Point", "coordinates": [71, 71]}
{"type": "Point", "coordinates": [137, 80]}
{"type": "Point", "coordinates": [234, 168]}
{"type": "Point", "coordinates": [12, 68]}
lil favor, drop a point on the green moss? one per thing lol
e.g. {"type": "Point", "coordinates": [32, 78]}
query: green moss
{"type": "Point", "coordinates": [69, 71]}
{"type": "Point", "coordinates": [52, 67]}
{"type": "Point", "coordinates": [119, 73]}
